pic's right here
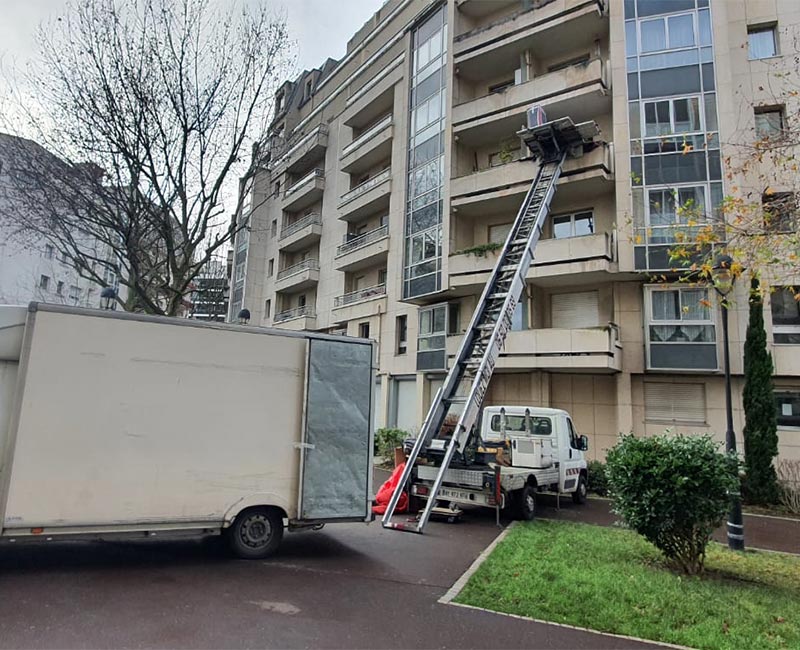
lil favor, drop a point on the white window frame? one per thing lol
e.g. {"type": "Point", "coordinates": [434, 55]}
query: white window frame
{"type": "Point", "coordinates": [649, 320]}
{"type": "Point", "coordinates": [754, 29]}
{"type": "Point", "coordinates": [677, 223]}
{"type": "Point", "coordinates": [672, 99]}
{"type": "Point", "coordinates": [572, 216]}
{"type": "Point", "coordinates": [664, 19]}
{"type": "Point", "coordinates": [780, 328]}
{"type": "Point", "coordinates": [780, 111]}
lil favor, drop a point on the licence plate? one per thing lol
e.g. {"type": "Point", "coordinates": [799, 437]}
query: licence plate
{"type": "Point", "coordinates": [457, 495]}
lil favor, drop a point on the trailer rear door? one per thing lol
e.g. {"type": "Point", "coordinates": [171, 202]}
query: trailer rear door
{"type": "Point", "coordinates": [336, 457]}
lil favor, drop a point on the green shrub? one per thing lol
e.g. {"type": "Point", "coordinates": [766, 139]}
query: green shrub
{"type": "Point", "coordinates": [672, 490]}
{"type": "Point", "coordinates": [387, 440]}
{"type": "Point", "coordinates": [596, 477]}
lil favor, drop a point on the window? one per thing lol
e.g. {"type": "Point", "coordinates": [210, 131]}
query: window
{"type": "Point", "coordinates": [787, 404]}
{"type": "Point", "coordinates": [279, 102]}
{"type": "Point", "coordinates": [671, 116]}
{"type": "Point", "coordinates": [667, 402]}
{"type": "Point", "coordinates": [401, 331]}
{"type": "Point", "coordinates": [453, 318]}
{"type": "Point", "coordinates": [48, 251]}
{"type": "Point", "coordinates": [780, 212]}
{"type": "Point", "coordinates": [583, 58]}
{"type": "Point", "coordinates": [575, 310]}
{"type": "Point", "coordinates": [60, 288]}
{"type": "Point", "coordinates": [270, 267]}
{"type": "Point", "coordinates": [301, 300]}
{"type": "Point", "coordinates": [769, 122]}
{"type": "Point", "coordinates": [499, 233]}
{"type": "Point", "coordinates": [381, 276]}
{"type": "Point", "coordinates": [74, 293]}
{"type": "Point", "coordinates": [363, 330]}
{"type": "Point", "coordinates": [63, 258]}
{"type": "Point", "coordinates": [681, 333]}
{"type": "Point", "coordinates": [499, 158]}
{"type": "Point", "coordinates": [501, 87]}
{"type": "Point", "coordinates": [309, 88]}
{"type": "Point", "coordinates": [667, 33]}
{"type": "Point", "coordinates": [573, 225]}
{"type": "Point", "coordinates": [785, 306]}
{"type": "Point", "coordinates": [277, 189]}
{"type": "Point", "coordinates": [273, 230]}
{"type": "Point", "coordinates": [44, 283]}
{"type": "Point", "coordinates": [670, 210]}
{"type": "Point", "coordinates": [431, 338]}
{"type": "Point", "coordinates": [539, 426]}
{"type": "Point", "coordinates": [762, 42]}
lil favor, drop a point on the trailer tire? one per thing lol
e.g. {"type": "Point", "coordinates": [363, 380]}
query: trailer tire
{"type": "Point", "coordinates": [256, 533]}
{"type": "Point", "coordinates": [526, 503]}
{"type": "Point", "coordinates": [579, 495]}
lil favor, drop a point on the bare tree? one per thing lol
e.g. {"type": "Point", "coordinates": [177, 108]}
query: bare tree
{"type": "Point", "coordinates": [149, 109]}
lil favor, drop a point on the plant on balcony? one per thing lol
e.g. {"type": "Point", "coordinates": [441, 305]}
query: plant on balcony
{"type": "Point", "coordinates": [481, 250]}
{"type": "Point", "coordinates": [761, 425]}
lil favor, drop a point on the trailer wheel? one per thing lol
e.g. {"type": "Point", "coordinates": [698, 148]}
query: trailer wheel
{"type": "Point", "coordinates": [256, 533]}
{"type": "Point", "coordinates": [579, 495]}
{"type": "Point", "coordinates": [526, 504]}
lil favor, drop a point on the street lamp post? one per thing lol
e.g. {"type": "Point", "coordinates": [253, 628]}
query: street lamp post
{"type": "Point", "coordinates": [724, 280]}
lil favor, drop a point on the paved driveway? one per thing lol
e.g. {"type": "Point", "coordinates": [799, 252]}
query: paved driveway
{"type": "Point", "coordinates": [348, 586]}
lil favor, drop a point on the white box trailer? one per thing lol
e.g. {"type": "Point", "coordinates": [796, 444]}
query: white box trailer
{"type": "Point", "coordinates": [119, 424]}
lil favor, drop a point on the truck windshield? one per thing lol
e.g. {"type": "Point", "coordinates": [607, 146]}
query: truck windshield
{"type": "Point", "coordinates": [516, 424]}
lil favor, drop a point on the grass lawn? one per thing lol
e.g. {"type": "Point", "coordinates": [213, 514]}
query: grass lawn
{"type": "Point", "coordinates": [612, 580]}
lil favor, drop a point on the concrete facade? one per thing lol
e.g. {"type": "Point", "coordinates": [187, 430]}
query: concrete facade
{"type": "Point", "coordinates": [334, 242]}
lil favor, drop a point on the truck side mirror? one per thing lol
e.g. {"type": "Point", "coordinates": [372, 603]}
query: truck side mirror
{"type": "Point", "coordinates": [583, 443]}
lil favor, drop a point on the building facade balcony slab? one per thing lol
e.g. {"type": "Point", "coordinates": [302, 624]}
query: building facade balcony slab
{"type": "Point", "coordinates": [555, 261]}
{"type": "Point", "coordinates": [359, 304]}
{"type": "Point", "coordinates": [300, 318]}
{"type": "Point", "coordinates": [369, 148]}
{"type": "Point", "coordinates": [307, 149]}
{"type": "Point", "coordinates": [305, 192]}
{"type": "Point", "coordinates": [368, 198]}
{"type": "Point", "coordinates": [298, 277]}
{"type": "Point", "coordinates": [363, 251]}
{"type": "Point", "coordinates": [596, 350]}
{"type": "Point", "coordinates": [300, 234]}
{"type": "Point", "coordinates": [580, 91]}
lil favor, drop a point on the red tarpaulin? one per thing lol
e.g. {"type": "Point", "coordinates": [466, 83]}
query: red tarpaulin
{"type": "Point", "coordinates": [386, 491]}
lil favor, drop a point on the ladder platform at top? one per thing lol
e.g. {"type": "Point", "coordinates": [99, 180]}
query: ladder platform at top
{"type": "Point", "coordinates": [546, 140]}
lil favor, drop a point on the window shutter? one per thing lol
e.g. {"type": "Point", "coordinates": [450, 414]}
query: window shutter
{"type": "Point", "coordinates": [675, 402]}
{"type": "Point", "coordinates": [406, 405]}
{"type": "Point", "coordinates": [574, 310]}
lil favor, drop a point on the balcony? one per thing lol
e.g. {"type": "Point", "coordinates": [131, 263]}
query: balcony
{"type": "Point", "coordinates": [369, 148]}
{"type": "Point", "coordinates": [299, 318]}
{"type": "Point", "coordinates": [363, 251]}
{"type": "Point", "coordinates": [308, 149]}
{"type": "Point", "coordinates": [555, 261]}
{"type": "Point", "coordinates": [305, 192]}
{"type": "Point", "coordinates": [594, 349]}
{"type": "Point", "coordinates": [368, 198]}
{"type": "Point", "coordinates": [505, 185]}
{"type": "Point", "coordinates": [299, 276]}
{"type": "Point", "coordinates": [550, 31]}
{"type": "Point", "coordinates": [301, 234]}
{"type": "Point", "coordinates": [580, 91]}
{"type": "Point", "coordinates": [360, 304]}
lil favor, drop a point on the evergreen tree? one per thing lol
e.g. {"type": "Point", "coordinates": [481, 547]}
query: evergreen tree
{"type": "Point", "coordinates": [761, 426]}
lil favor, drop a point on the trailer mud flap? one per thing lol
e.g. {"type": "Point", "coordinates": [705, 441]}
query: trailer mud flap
{"type": "Point", "coordinates": [335, 452]}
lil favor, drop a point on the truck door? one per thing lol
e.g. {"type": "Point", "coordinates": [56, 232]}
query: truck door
{"type": "Point", "coordinates": [570, 458]}
{"type": "Point", "coordinates": [336, 454]}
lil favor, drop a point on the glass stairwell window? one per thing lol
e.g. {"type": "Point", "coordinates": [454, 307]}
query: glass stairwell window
{"type": "Point", "coordinates": [432, 338]}
{"type": "Point", "coordinates": [681, 334]}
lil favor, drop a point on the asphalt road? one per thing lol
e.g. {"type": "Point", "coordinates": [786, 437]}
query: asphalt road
{"type": "Point", "coordinates": [348, 586]}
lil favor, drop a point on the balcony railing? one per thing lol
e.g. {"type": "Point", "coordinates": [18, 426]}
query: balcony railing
{"type": "Point", "coordinates": [297, 312]}
{"type": "Point", "coordinates": [366, 186]}
{"type": "Point", "coordinates": [284, 149]}
{"type": "Point", "coordinates": [313, 174]}
{"type": "Point", "coordinates": [305, 265]}
{"type": "Point", "coordinates": [370, 133]}
{"type": "Point", "coordinates": [308, 220]}
{"type": "Point", "coordinates": [362, 240]}
{"type": "Point", "coordinates": [358, 296]}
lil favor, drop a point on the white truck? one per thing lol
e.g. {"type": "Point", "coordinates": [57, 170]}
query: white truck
{"type": "Point", "coordinates": [520, 452]}
{"type": "Point", "coordinates": [126, 425]}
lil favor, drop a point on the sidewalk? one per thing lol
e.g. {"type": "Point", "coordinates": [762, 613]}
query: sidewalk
{"type": "Point", "coordinates": [763, 532]}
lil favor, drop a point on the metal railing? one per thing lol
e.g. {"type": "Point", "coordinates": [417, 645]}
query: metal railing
{"type": "Point", "coordinates": [366, 186]}
{"type": "Point", "coordinates": [369, 133]}
{"type": "Point", "coordinates": [282, 151]}
{"type": "Point", "coordinates": [312, 175]}
{"type": "Point", "coordinates": [361, 294]}
{"type": "Point", "coordinates": [308, 220]}
{"type": "Point", "coordinates": [305, 265]}
{"type": "Point", "coordinates": [363, 240]}
{"type": "Point", "coordinates": [297, 312]}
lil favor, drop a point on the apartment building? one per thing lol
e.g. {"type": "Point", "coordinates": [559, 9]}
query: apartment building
{"type": "Point", "coordinates": [392, 176]}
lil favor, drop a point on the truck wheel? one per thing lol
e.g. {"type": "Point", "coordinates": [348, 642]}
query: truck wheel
{"type": "Point", "coordinates": [579, 495]}
{"type": "Point", "coordinates": [526, 505]}
{"type": "Point", "coordinates": [256, 533]}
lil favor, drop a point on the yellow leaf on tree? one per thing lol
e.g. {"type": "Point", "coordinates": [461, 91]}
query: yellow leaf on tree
{"type": "Point", "coordinates": [769, 191]}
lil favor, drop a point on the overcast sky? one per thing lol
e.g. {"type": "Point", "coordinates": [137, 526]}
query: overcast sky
{"type": "Point", "coordinates": [320, 27]}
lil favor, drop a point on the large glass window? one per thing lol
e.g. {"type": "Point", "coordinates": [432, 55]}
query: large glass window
{"type": "Point", "coordinates": [573, 225]}
{"type": "Point", "coordinates": [669, 32]}
{"type": "Point", "coordinates": [785, 306]}
{"type": "Point", "coordinates": [431, 338]}
{"type": "Point", "coordinates": [672, 210]}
